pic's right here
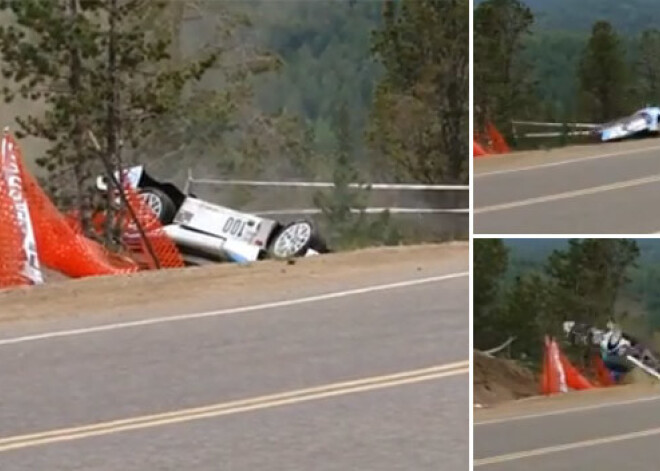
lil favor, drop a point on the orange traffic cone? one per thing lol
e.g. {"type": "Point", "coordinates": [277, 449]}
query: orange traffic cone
{"type": "Point", "coordinates": [552, 377]}
{"type": "Point", "coordinates": [602, 373]}
{"type": "Point", "coordinates": [574, 379]}
{"type": "Point", "coordinates": [499, 144]}
{"type": "Point", "coordinates": [558, 374]}
{"type": "Point", "coordinates": [479, 151]}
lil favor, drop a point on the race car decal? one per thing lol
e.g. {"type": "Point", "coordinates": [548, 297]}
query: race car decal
{"type": "Point", "coordinates": [12, 173]}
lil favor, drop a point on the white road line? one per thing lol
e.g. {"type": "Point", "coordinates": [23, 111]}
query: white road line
{"type": "Point", "coordinates": [572, 410]}
{"type": "Point", "coordinates": [567, 447]}
{"type": "Point", "coordinates": [569, 194]}
{"type": "Point", "coordinates": [566, 162]}
{"type": "Point", "coordinates": [229, 311]}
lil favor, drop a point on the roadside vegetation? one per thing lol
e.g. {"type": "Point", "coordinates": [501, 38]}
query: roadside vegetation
{"type": "Point", "coordinates": [343, 91]}
{"type": "Point", "coordinates": [591, 62]}
{"type": "Point", "coordinates": [527, 288]}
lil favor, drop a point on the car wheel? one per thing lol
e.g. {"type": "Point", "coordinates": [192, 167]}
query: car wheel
{"type": "Point", "coordinates": [160, 203]}
{"type": "Point", "coordinates": [293, 240]}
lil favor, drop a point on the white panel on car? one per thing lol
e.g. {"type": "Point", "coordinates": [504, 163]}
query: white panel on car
{"type": "Point", "coordinates": [224, 222]}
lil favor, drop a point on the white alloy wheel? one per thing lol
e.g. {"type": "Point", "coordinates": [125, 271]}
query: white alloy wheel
{"type": "Point", "coordinates": [293, 239]}
{"type": "Point", "coordinates": [153, 201]}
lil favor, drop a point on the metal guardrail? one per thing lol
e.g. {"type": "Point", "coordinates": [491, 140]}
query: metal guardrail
{"type": "Point", "coordinates": [643, 367]}
{"type": "Point", "coordinates": [372, 210]}
{"type": "Point", "coordinates": [191, 181]}
{"type": "Point", "coordinates": [556, 125]}
{"type": "Point", "coordinates": [496, 350]}
{"type": "Point", "coordinates": [573, 127]}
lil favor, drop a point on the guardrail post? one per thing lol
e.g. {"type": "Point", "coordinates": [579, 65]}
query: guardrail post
{"type": "Point", "coordinates": [187, 189]}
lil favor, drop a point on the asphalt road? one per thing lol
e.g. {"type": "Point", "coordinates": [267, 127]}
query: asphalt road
{"type": "Point", "coordinates": [613, 436]}
{"type": "Point", "coordinates": [594, 189]}
{"type": "Point", "coordinates": [373, 380]}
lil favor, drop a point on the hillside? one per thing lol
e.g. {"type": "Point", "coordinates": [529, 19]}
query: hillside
{"type": "Point", "coordinates": [324, 46]}
{"type": "Point", "coordinates": [560, 32]}
{"type": "Point", "coordinates": [539, 249]}
{"type": "Point", "coordinates": [326, 49]}
{"type": "Point", "coordinates": [628, 15]}
{"type": "Point", "coordinates": [640, 296]}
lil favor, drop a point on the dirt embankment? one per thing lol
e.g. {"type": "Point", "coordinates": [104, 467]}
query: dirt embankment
{"type": "Point", "coordinates": [59, 296]}
{"type": "Point", "coordinates": [497, 380]}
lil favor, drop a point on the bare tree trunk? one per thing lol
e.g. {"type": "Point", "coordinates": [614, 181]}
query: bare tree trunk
{"type": "Point", "coordinates": [112, 122]}
{"type": "Point", "coordinates": [75, 85]}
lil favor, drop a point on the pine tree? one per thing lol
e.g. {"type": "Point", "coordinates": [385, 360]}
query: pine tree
{"type": "Point", "coordinates": [491, 258]}
{"type": "Point", "coordinates": [98, 67]}
{"type": "Point", "coordinates": [343, 207]}
{"type": "Point", "coordinates": [647, 67]}
{"type": "Point", "coordinates": [43, 55]}
{"type": "Point", "coordinates": [503, 86]}
{"type": "Point", "coordinates": [419, 120]}
{"type": "Point", "coordinates": [603, 75]}
{"type": "Point", "coordinates": [587, 278]}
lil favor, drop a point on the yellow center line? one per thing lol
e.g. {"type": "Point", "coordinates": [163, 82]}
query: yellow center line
{"type": "Point", "coordinates": [234, 407]}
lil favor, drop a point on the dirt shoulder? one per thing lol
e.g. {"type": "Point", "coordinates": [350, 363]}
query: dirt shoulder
{"type": "Point", "coordinates": [73, 297]}
{"type": "Point", "coordinates": [498, 380]}
{"type": "Point", "coordinates": [503, 390]}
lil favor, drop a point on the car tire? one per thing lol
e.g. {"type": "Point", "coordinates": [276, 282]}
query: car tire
{"type": "Point", "coordinates": [294, 240]}
{"type": "Point", "coordinates": [161, 204]}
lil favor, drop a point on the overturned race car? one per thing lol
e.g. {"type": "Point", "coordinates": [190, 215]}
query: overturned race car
{"type": "Point", "coordinates": [620, 351]}
{"type": "Point", "coordinates": [641, 123]}
{"type": "Point", "coordinates": [206, 232]}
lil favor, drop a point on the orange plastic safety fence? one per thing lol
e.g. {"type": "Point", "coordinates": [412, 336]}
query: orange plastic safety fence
{"type": "Point", "coordinates": [163, 248]}
{"type": "Point", "coordinates": [11, 248]}
{"type": "Point", "coordinates": [61, 246]}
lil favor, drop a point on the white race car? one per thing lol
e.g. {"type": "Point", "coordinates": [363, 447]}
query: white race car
{"type": "Point", "coordinates": [205, 231]}
{"type": "Point", "coordinates": [642, 123]}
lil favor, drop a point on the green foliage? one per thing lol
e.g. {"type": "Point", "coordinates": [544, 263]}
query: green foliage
{"type": "Point", "coordinates": [247, 89]}
{"type": "Point", "coordinates": [97, 67]}
{"type": "Point", "coordinates": [603, 75]}
{"type": "Point", "coordinates": [553, 57]}
{"type": "Point", "coordinates": [646, 67]}
{"type": "Point", "coordinates": [525, 315]}
{"type": "Point", "coordinates": [626, 15]}
{"type": "Point", "coordinates": [218, 123]}
{"type": "Point", "coordinates": [502, 77]}
{"type": "Point", "coordinates": [42, 53]}
{"type": "Point", "coordinates": [489, 265]}
{"type": "Point", "coordinates": [121, 70]}
{"type": "Point", "coordinates": [347, 225]}
{"type": "Point", "coordinates": [557, 44]}
{"type": "Point", "coordinates": [325, 46]}
{"type": "Point", "coordinates": [582, 282]}
{"type": "Point", "coordinates": [419, 127]}
{"type": "Point", "coordinates": [589, 275]}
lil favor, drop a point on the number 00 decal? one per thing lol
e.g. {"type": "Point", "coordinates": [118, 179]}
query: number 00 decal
{"type": "Point", "coordinates": [234, 227]}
